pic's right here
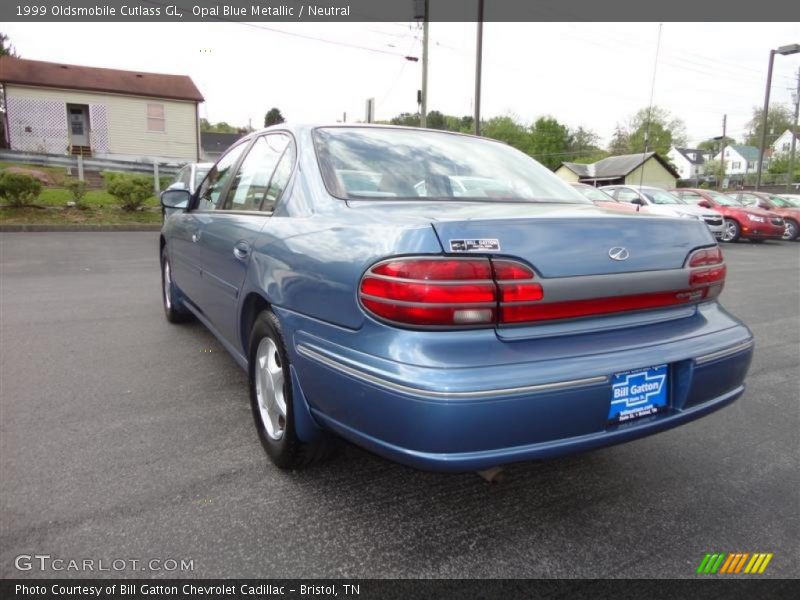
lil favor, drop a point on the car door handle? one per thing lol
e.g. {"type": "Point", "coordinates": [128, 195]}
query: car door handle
{"type": "Point", "coordinates": [241, 250]}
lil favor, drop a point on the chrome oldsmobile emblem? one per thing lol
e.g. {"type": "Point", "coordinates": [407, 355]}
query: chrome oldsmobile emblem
{"type": "Point", "coordinates": [618, 253]}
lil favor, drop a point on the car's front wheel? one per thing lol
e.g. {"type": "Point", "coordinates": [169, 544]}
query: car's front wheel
{"type": "Point", "coordinates": [271, 398]}
{"type": "Point", "coordinates": [790, 231]}
{"type": "Point", "coordinates": [174, 309]}
{"type": "Point", "coordinates": [731, 232]}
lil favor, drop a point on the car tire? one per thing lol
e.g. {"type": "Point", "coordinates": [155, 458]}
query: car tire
{"type": "Point", "coordinates": [792, 230]}
{"type": "Point", "coordinates": [731, 232]}
{"type": "Point", "coordinates": [171, 296]}
{"type": "Point", "coordinates": [271, 396]}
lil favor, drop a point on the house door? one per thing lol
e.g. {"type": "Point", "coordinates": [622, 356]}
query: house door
{"type": "Point", "coordinates": [78, 125]}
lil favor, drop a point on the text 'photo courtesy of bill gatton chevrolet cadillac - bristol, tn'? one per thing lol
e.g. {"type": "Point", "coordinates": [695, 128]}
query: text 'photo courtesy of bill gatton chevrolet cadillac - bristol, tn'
{"type": "Point", "coordinates": [445, 301]}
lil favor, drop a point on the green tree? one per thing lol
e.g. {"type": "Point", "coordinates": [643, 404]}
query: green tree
{"type": "Point", "coordinates": [779, 119]}
{"type": "Point", "coordinates": [584, 146]}
{"type": "Point", "coordinates": [716, 168]}
{"type": "Point", "coordinates": [507, 129]}
{"type": "Point", "coordinates": [714, 145]}
{"type": "Point", "coordinates": [549, 141]}
{"type": "Point", "coordinates": [406, 120]}
{"type": "Point", "coordinates": [6, 48]}
{"type": "Point", "coordinates": [655, 129]}
{"type": "Point", "coordinates": [779, 164]}
{"type": "Point", "coordinates": [436, 120]}
{"type": "Point", "coordinates": [221, 127]}
{"type": "Point", "coordinates": [273, 117]}
{"type": "Point", "coordinates": [619, 142]}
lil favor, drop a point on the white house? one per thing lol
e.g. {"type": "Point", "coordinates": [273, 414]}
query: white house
{"type": "Point", "coordinates": [740, 159]}
{"type": "Point", "coordinates": [784, 143]}
{"type": "Point", "coordinates": [690, 162]}
{"type": "Point", "coordinates": [54, 108]}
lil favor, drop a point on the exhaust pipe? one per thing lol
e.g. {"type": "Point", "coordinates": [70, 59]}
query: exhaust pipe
{"type": "Point", "coordinates": [493, 474]}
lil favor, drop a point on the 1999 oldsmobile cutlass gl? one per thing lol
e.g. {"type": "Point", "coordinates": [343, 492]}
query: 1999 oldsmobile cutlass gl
{"type": "Point", "coordinates": [444, 300]}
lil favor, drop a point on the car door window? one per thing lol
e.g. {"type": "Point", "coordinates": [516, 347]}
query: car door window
{"type": "Point", "coordinates": [249, 187]}
{"type": "Point", "coordinates": [692, 197]}
{"type": "Point", "coordinates": [279, 179]}
{"type": "Point", "coordinates": [218, 177]}
{"type": "Point", "coordinates": [611, 192]}
{"type": "Point", "coordinates": [624, 195]}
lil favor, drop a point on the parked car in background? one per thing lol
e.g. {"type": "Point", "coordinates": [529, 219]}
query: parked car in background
{"type": "Point", "coordinates": [747, 222]}
{"type": "Point", "coordinates": [443, 331]}
{"type": "Point", "coordinates": [793, 199]}
{"type": "Point", "coordinates": [188, 178]}
{"type": "Point", "coordinates": [661, 202]}
{"type": "Point", "coordinates": [600, 198]}
{"type": "Point", "coordinates": [776, 204]}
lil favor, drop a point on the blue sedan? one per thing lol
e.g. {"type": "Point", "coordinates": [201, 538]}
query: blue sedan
{"type": "Point", "coordinates": [444, 300]}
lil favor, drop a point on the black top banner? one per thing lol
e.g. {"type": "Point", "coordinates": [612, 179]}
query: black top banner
{"type": "Point", "coordinates": [396, 10]}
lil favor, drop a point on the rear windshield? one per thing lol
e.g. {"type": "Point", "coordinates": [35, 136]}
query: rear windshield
{"type": "Point", "coordinates": [368, 163]}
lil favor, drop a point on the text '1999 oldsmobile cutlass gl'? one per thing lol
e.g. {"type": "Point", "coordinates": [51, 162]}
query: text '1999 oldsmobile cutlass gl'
{"type": "Point", "coordinates": [445, 301]}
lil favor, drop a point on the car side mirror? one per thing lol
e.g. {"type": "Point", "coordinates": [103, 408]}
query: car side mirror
{"type": "Point", "coordinates": [638, 201]}
{"type": "Point", "coordinates": [704, 204]}
{"type": "Point", "coordinates": [175, 198]}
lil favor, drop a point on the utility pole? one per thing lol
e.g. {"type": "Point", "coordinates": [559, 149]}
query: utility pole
{"type": "Point", "coordinates": [423, 113]}
{"type": "Point", "coordinates": [722, 150]}
{"type": "Point", "coordinates": [763, 148]}
{"type": "Point", "coordinates": [790, 178]}
{"type": "Point", "coordinates": [478, 63]}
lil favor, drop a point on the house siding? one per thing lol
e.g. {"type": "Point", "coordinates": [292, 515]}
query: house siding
{"type": "Point", "coordinates": [566, 174]}
{"type": "Point", "coordinates": [651, 173]}
{"type": "Point", "coordinates": [37, 120]}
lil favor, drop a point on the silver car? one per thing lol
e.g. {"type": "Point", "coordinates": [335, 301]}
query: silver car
{"type": "Point", "coordinates": [661, 202]}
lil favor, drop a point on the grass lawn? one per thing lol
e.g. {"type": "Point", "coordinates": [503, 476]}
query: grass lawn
{"type": "Point", "coordinates": [101, 207]}
{"type": "Point", "coordinates": [58, 215]}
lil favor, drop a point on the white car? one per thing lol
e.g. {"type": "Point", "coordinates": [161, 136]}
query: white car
{"type": "Point", "coordinates": [661, 202]}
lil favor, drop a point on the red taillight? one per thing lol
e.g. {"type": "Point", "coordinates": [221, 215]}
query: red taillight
{"type": "Point", "coordinates": [452, 292]}
{"type": "Point", "coordinates": [711, 278]}
{"type": "Point", "coordinates": [431, 292]}
{"type": "Point", "coordinates": [708, 256]}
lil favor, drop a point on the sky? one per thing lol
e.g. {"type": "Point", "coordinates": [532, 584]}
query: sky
{"type": "Point", "coordinates": [593, 75]}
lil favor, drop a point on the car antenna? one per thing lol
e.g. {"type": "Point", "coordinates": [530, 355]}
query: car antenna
{"type": "Point", "coordinates": [650, 108]}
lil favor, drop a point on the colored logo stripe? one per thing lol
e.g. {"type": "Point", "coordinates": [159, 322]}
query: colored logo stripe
{"type": "Point", "coordinates": [734, 562]}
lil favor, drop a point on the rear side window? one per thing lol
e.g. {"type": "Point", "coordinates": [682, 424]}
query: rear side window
{"type": "Point", "coordinates": [279, 179]}
{"type": "Point", "coordinates": [249, 186]}
{"type": "Point", "coordinates": [218, 178]}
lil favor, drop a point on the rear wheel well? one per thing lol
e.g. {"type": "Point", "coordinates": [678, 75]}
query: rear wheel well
{"type": "Point", "coordinates": [253, 305]}
{"type": "Point", "coordinates": [161, 243]}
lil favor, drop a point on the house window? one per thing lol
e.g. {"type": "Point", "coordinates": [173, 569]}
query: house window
{"type": "Point", "coordinates": [155, 117]}
{"type": "Point", "coordinates": [736, 164]}
{"type": "Point", "coordinates": [786, 146]}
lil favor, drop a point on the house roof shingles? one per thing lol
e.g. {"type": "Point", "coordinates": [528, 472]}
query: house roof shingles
{"type": "Point", "coordinates": [689, 152]}
{"type": "Point", "coordinates": [214, 142]}
{"type": "Point", "coordinates": [615, 166]}
{"type": "Point", "coordinates": [749, 153]}
{"type": "Point", "coordinates": [75, 77]}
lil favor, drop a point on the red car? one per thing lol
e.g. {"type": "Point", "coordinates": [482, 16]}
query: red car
{"type": "Point", "coordinates": [603, 200]}
{"type": "Point", "coordinates": [748, 222]}
{"type": "Point", "coordinates": [774, 204]}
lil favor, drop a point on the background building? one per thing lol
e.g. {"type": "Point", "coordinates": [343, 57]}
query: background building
{"type": "Point", "coordinates": [53, 108]}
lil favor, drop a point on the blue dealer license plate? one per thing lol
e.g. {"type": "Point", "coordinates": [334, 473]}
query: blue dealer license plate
{"type": "Point", "coordinates": [638, 393]}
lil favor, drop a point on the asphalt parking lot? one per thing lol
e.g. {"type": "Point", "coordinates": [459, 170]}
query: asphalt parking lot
{"type": "Point", "coordinates": [122, 436]}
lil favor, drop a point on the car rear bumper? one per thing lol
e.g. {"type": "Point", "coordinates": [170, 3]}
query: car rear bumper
{"type": "Point", "coordinates": [457, 419]}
